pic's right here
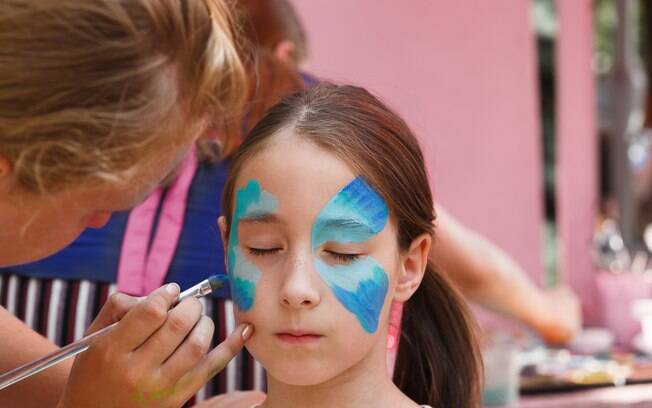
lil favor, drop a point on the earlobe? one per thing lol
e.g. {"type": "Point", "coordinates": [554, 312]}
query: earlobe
{"type": "Point", "coordinates": [221, 223]}
{"type": "Point", "coordinates": [412, 267]}
{"type": "Point", "coordinates": [5, 167]}
{"type": "Point", "coordinates": [5, 173]}
{"type": "Point", "coordinates": [284, 51]}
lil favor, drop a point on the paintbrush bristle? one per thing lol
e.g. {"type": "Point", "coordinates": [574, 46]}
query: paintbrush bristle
{"type": "Point", "coordinates": [218, 281]}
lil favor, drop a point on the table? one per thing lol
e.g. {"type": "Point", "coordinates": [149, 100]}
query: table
{"type": "Point", "coordinates": [628, 396]}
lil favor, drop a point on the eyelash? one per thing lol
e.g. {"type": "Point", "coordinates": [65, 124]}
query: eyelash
{"type": "Point", "coordinates": [346, 258]}
{"type": "Point", "coordinates": [263, 251]}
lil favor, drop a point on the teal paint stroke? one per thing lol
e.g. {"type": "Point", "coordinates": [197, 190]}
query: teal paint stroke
{"type": "Point", "coordinates": [250, 202]}
{"type": "Point", "coordinates": [360, 286]}
{"type": "Point", "coordinates": [355, 214]}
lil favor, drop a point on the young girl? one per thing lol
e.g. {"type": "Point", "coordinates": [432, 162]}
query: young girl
{"type": "Point", "coordinates": [328, 221]}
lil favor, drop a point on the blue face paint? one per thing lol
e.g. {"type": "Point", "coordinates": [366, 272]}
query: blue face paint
{"type": "Point", "coordinates": [250, 202]}
{"type": "Point", "coordinates": [355, 214]}
{"type": "Point", "coordinates": [360, 286]}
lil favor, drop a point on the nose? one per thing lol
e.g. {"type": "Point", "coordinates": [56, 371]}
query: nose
{"type": "Point", "coordinates": [99, 219]}
{"type": "Point", "coordinates": [300, 289]}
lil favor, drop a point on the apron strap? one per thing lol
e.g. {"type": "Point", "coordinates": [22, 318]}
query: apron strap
{"type": "Point", "coordinates": [141, 271]}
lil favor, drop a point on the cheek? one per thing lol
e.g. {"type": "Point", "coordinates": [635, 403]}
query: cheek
{"type": "Point", "coordinates": [244, 278]}
{"type": "Point", "coordinates": [49, 234]}
{"type": "Point", "coordinates": [360, 287]}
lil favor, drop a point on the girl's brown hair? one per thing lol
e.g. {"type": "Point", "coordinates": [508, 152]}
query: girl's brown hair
{"type": "Point", "coordinates": [88, 86]}
{"type": "Point", "coordinates": [438, 358]}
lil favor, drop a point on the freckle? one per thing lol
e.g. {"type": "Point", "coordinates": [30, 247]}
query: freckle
{"type": "Point", "coordinates": [299, 262]}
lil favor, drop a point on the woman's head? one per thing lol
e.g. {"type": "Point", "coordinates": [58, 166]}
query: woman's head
{"type": "Point", "coordinates": [329, 219]}
{"type": "Point", "coordinates": [109, 93]}
{"type": "Point", "coordinates": [274, 25]}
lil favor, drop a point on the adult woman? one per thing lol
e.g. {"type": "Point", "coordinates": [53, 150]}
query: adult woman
{"type": "Point", "coordinates": [98, 102]}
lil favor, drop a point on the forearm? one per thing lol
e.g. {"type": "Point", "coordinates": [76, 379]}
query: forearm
{"type": "Point", "coordinates": [485, 274]}
{"type": "Point", "coordinates": [505, 288]}
{"type": "Point", "coordinates": [18, 345]}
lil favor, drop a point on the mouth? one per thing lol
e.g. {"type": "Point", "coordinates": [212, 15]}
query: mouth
{"type": "Point", "coordinates": [298, 337]}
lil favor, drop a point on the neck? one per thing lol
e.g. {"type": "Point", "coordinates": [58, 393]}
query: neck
{"type": "Point", "coordinates": [365, 384]}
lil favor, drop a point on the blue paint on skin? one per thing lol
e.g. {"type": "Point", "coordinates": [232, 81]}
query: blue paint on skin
{"type": "Point", "coordinates": [354, 215]}
{"type": "Point", "coordinates": [250, 202]}
{"type": "Point", "coordinates": [360, 286]}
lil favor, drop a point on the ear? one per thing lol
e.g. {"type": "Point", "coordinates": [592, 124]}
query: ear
{"type": "Point", "coordinates": [6, 181]}
{"type": "Point", "coordinates": [221, 223]}
{"type": "Point", "coordinates": [284, 51]}
{"type": "Point", "coordinates": [412, 268]}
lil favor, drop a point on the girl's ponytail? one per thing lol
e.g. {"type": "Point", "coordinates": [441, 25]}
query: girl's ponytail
{"type": "Point", "coordinates": [438, 361]}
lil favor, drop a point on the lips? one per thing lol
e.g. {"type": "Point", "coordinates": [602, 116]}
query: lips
{"type": "Point", "coordinates": [298, 337]}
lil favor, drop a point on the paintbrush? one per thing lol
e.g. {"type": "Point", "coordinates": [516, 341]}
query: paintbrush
{"type": "Point", "coordinates": [201, 289]}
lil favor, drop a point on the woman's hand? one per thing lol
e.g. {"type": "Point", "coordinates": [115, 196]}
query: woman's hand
{"type": "Point", "coordinates": [237, 399]}
{"type": "Point", "coordinates": [153, 357]}
{"type": "Point", "coordinates": [563, 317]}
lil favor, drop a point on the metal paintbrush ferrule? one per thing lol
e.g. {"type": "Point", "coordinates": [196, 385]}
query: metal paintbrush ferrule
{"type": "Point", "coordinates": [201, 289]}
{"type": "Point", "coordinates": [204, 287]}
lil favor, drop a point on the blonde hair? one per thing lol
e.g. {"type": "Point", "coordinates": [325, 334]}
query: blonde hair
{"type": "Point", "coordinates": [88, 86]}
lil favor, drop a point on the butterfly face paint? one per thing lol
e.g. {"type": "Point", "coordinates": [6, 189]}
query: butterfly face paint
{"type": "Point", "coordinates": [355, 214]}
{"type": "Point", "coordinates": [251, 202]}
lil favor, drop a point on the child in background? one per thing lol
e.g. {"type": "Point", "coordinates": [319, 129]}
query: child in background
{"type": "Point", "coordinates": [328, 220]}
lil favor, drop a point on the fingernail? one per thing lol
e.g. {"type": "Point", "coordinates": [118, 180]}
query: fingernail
{"type": "Point", "coordinates": [247, 332]}
{"type": "Point", "coordinates": [173, 289]}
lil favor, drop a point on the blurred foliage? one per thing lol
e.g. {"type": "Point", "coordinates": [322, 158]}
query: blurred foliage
{"type": "Point", "coordinates": [604, 22]}
{"type": "Point", "coordinates": [545, 26]}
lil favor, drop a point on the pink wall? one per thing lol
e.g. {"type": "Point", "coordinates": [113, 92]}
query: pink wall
{"type": "Point", "coordinates": [577, 150]}
{"type": "Point", "coordinates": [463, 74]}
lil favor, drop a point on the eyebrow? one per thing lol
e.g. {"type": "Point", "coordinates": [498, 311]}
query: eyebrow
{"type": "Point", "coordinates": [347, 223]}
{"type": "Point", "coordinates": [261, 218]}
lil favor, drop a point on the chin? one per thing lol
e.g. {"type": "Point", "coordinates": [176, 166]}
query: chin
{"type": "Point", "coordinates": [298, 370]}
{"type": "Point", "coordinates": [302, 375]}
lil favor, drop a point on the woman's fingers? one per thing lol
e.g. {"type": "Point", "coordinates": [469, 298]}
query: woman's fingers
{"type": "Point", "coordinates": [191, 352]}
{"type": "Point", "coordinates": [143, 319]}
{"type": "Point", "coordinates": [116, 306]}
{"type": "Point", "coordinates": [215, 361]}
{"type": "Point", "coordinates": [163, 343]}
{"type": "Point", "coordinates": [154, 356]}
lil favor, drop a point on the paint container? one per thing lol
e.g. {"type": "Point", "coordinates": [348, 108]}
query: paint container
{"type": "Point", "coordinates": [592, 341]}
{"type": "Point", "coordinates": [642, 311]}
{"type": "Point", "coordinates": [617, 293]}
{"type": "Point", "coordinates": [502, 372]}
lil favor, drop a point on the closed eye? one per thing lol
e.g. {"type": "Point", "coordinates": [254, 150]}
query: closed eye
{"type": "Point", "coordinates": [263, 251]}
{"type": "Point", "coordinates": [343, 258]}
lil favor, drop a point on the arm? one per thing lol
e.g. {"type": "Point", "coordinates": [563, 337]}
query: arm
{"type": "Point", "coordinates": [18, 345]}
{"type": "Point", "coordinates": [489, 277]}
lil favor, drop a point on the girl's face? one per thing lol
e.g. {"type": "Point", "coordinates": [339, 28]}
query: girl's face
{"type": "Point", "coordinates": [313, 262]}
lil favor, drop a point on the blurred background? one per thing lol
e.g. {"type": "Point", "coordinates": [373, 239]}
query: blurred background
{"type": "Point", "coordinates": [536, 120]}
